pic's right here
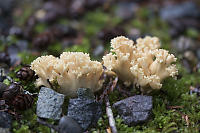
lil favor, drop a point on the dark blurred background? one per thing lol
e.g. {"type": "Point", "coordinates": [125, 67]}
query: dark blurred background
{"type": "Point", "coordinates": [32, 28]}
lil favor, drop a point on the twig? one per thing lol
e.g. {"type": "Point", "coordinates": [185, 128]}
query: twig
{"type": "Point", "coordinates": [114, 84]}
{"type": "Point", "coordinates": [110, 116]}
{"type": "Point", "coordinates": [175, 107]}
{"type": "Point", "coordinates": [108, 88]}
{"type": "Point", "coordinates": [47, 124]}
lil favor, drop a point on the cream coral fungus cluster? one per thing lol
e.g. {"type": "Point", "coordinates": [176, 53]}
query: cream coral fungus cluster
{"type": "Point", "coordinates": [71, 71]}
{"type": "Point", "coordinates": [142, 63]}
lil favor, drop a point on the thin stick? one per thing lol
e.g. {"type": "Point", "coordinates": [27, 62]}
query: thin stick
{"type": "Point", "coordinates": [109, 110]}
{"type": "Point", "coordinates": [110, 116]}
{"type": "Point", "coordinates": [114, 84]}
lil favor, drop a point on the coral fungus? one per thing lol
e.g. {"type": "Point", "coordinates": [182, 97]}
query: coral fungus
{"type": "Point", "coordinates": [71, 71]}
{"type": "Point", "coordinates": [142, 63]}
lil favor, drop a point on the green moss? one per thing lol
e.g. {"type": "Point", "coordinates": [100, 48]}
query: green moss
{"type": "Point", "coordinates": [26, 57]}
{"type": "Point", "coordinates": [94, 21]}
{"type": "Point", "coordinates": [83, 47]}
{"type": "Point", "coordinates": [22, 129]}
{"type": "Point", "coordinates": [193, 33]}
{"type": "Point", "coordinates": [152, 26]}
{"type": "Point", "coordinates": [6, 81]}
{"type": "Point", "coordinates": [28, 123]}
{"type": "Point", "coordinates": [63, 21]}
{"type": "Point", "coordinates": [41, 27]}
{"type": "Point", "coordinates": [55, 48]}
{"type": "Point", "coordinates": [143, 13]}
{"type": "Point", "coordinates": [26, 11]}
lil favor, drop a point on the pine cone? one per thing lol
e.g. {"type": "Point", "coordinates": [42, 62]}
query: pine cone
{"type": "Point", "coordinates": [23, 101]}
{"type": "Point", "coordinates": [11, 91]}
{"type": "Point", "coordinates": [25, 73]}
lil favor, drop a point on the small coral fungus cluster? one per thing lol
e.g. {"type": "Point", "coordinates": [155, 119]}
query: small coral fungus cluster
{"type": "Point", "coordinates": [142, 63]}
{"type": "Point", "coordinates": [71, 71]}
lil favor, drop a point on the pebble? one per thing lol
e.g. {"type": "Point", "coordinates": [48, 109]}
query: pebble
{"type": "Point", "coordinates": [4, 130]}
{"type": "Point", "coordinates": [134, 34]}
{"type": "Point", "coordinates": [14, 50]}
{"type": "Point", "coordinates": [17, 31]}
{"type": "Point", "coordinates": [186, 9]}
{"type": "Point", "coordinates": [126, 10]}
{"type": "Point", "coordinates": [77, 8]}
{"type": "Point", "coordinates": [107, 34]}
{"type": "Point", "coordinates": [195, 90]}
{"type": "Point", "coordinates": [85, 110]}
{"type": "Point", "coordinates": [6, 8]}
{"type": "Point", "coordinates": [85, 93]}
{"type": "Point", "coordinates": [49, 104]}
{"type": "Point", "coordinates": [68, 125]}
{"type": "Point", "coordinates": [135, 109]}
{"type": "Point", "coordinates": [183, 43]}
{"type": "Point", "coordinates": [198, 54]}
{"type": "Point", "coordinates": [22, 45]}
{"type": "Point", "coordinates": [93, 4]}
{"type": "Point", "coordinates": [5, 58]}
{"type": "Point", "coordinates": [5, 120]}
{"type": "Point", "coordinates": [187, 65]}
{"type": "Point", "coordinates": [2, 88]}
{"type": "Point", "coordinates": [99, 50]}
{"type": "Point", "coordinates": [190, 56]}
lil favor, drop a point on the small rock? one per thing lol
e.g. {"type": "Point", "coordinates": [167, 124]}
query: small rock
{"type": "Point", "coordinates": [49, 104]}
{"type": "Point", "coordinates": [13, 52]}
{"type": "Point", "coordinates": [93, 4]}
{"type": "Point", "coordinates": [134, 34]}
{"type": "Point", "coordinates": [194, 90]}
{"type": "Point", "coordinates": [183, 43]}
{"type": "Point", "coordinates": [181, 17]}
{"type": "Point", "coordinates": [64, 31]}
{"type": "Point", "coordinates": [50, 11]}
{"type": "Point", "coordinates": [4, 58]}
{"type": "Point", "coordinates": [68, 125]}
{"type": "Point", "coordinates": [4, 130]}
{"type": "Point", "coordinates": [99, 50]}
{"type": "Point", "coordinates": [190, 56]}
{"type": "Point", "coordinates": [3, 72]}
{"type": "Point", "coordinates": [5, 120]}
{"type": "Point", "coordinates": [135, 109]}
{"type": "Point", "coordinates": [84, 110]}
{"type": "Point", "coordinates": [77, 8]}
{"type": "Point", "coordinates": [187, 65]}
{"type": "Point", "coordinates": [186, 9]}
{"type": "Point", "coordinates": [22, 45]}
{"type": "Point", "coordinates": [2, 88]}
{"type": "Point", "coordinates": [198, 54]}
{"type": "Point", "coordinates": [85, 93]}
{"type": "Point", "coordinates": [6, 9]}
{"type": "Point", "coordinates": [126, 10]}
{"type": "Point", "coordinates": [109, 33]}
{"type": "Point", "coordinates": [16, 31]}
{"type": "Point", "coordinates": [6, 6]}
